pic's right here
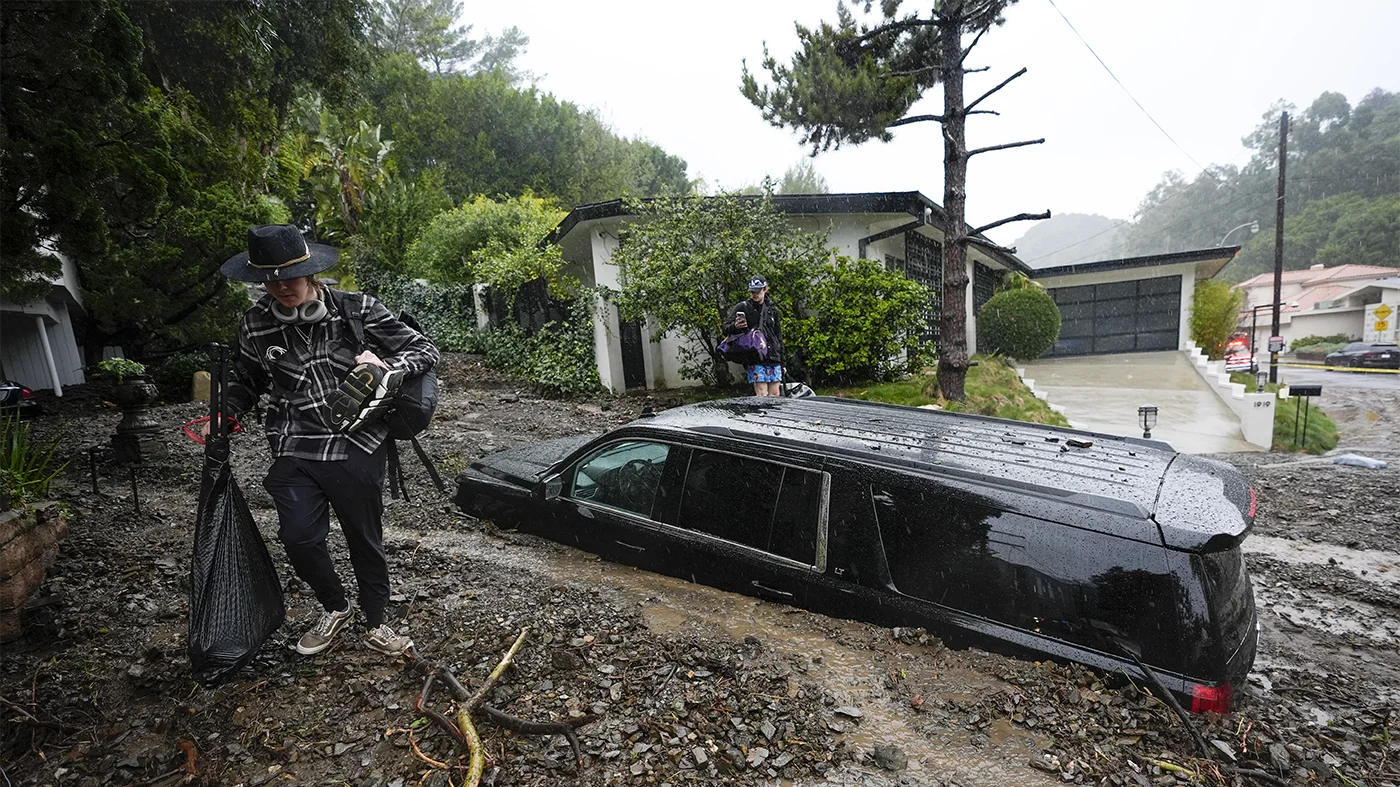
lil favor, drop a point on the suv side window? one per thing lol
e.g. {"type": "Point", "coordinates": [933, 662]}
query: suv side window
{"type": "Point", "coordinates": [753, 502]}
{"type": "Point", "coordinates": [940, 549]}
{"type": "Point", "coordinates": [622, 475]}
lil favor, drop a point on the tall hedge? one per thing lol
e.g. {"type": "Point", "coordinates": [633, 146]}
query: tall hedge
{"type": "Point", "coordinates": [1022, 324]}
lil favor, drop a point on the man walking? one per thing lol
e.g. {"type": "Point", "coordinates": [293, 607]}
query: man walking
{"type": "Point", "coordinates": [758, 312]}
{"type": "Point", "coordinates": [296, 344]}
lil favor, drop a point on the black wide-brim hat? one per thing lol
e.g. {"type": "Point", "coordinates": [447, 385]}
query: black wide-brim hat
{"type": "Point", "coordinates": [277, 252]}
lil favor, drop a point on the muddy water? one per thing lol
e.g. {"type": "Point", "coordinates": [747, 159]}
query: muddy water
{"type": "Point", "coordinates": [1372, 565]}
{"type": "Point", "coordinates": [672, 606]}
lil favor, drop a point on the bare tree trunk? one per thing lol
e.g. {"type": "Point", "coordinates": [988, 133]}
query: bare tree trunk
{"type": "Point", "coordinates": [952, 338]}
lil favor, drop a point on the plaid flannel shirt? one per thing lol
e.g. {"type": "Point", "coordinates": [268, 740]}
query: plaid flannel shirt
{"type": "Point", "coordinates": [299, 365]}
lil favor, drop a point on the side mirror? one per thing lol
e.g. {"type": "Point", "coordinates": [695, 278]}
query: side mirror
{"type": "Point", "coordinates": [552, 488]}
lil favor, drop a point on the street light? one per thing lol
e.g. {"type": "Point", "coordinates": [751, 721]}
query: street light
{"type": "Point", "coordinates": [1147, 416]}
{"type": "Point", "coordinates": [1253, 230]}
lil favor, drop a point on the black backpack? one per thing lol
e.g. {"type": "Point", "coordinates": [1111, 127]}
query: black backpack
{"type": "Point", "coordinates": [413, 405]}
{"type": "Point", "coordinates": [417, 397]}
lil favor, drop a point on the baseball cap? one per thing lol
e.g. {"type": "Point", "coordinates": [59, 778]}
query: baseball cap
{"type": "Point", "coordinates": [757, 283]}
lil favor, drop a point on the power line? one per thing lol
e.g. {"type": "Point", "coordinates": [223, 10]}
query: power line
{"type": "Point", "coordinates": [1124, 87]}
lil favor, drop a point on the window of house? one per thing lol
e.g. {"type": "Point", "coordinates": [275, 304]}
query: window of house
{"type": "Point", "coordinates": [753, 502]}
{"type": "Point", "coordinates": [622, 475]}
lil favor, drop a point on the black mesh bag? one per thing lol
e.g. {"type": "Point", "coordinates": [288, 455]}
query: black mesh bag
{"type": "Point", "coordinates": [235, 593]}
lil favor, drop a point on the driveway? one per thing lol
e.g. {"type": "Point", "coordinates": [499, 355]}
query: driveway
{"type": "Point", "coordinates": [1102, 393]}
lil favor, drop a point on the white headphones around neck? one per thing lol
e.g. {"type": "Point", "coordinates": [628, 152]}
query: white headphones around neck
{"type": "Point", "coordinates": [305, 314]}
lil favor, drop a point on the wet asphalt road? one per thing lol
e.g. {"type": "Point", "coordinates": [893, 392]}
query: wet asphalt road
{"type": "Point", "coordinates": [1369, 380]}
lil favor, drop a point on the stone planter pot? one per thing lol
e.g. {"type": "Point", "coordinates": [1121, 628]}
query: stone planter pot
{"type": "Point", "coordinates": [134, 396]}
{"type": "Point", "coordinates": [29, 542]}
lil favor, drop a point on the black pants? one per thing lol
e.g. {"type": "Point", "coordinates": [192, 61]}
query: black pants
{"type": "Point", "coordinates": [304, 492]}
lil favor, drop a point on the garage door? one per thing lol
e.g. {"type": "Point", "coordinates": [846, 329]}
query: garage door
{"type": "Point", "coordinates": [1122, 317]}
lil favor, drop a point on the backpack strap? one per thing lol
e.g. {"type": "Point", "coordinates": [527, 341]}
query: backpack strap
{"type": "Point", "coordinates": [352, 310]}
{"type": "Point", "coordinates": [427, 463]}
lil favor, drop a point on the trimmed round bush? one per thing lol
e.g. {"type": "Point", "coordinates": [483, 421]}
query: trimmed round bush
{"type": "Point", "coordinates": [1022, 324]}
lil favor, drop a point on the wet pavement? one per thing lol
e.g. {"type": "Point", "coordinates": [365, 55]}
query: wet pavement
{"type": "Point", "coordinates": [1102, 393]}
{"type": "Point", "coordinates": [1369, 380]}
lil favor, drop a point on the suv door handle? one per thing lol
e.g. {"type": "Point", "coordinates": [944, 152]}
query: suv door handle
{"type": "Point", "coordinates": [773, 591]}
{"type": "Point", "coordinates": [630, 546]}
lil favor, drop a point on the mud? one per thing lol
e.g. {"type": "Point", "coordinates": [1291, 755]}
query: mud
{"type": "Point", "coordinates": [692, 685]}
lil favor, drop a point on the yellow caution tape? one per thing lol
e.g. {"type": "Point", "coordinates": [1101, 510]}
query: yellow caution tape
{"type": "Point", "coordinates": [1336, 368]}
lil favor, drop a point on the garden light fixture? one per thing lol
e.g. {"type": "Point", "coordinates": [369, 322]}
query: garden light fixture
{"type": "Point", "coordinates": [1147, 416]}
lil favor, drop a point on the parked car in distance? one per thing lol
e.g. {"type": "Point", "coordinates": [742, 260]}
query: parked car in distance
{"type": "Point", "coordinates": [16, 399]}
{"type": "Point", "coordinates": [1366, 355]}
{"type": "Point", "coordinates": [1012, 536]}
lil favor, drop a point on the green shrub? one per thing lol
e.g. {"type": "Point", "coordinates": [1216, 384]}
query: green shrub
{"type": "Point", "coordinates": [862, 316]}
{"type": "Point", "coordinates": [174, 374]}
{"type": "Point", "coordinates": [557, 360]}
{"type": "Point", "coordinates": [447, 312]}
{"type": "Point", "coordinates": [117, 368]}
{"type": "Point", "coordinates": [1021, 323]}
{"type": "Point", "coordinates": [1215, 311]}
{"type": "Point", "coordinates": [1309, 342]}
{"type": "Point", "coordinates": [26, 467]}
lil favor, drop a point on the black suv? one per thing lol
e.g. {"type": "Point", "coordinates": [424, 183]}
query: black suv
{"type": "Point", "coordinates": [1364, 355]}
{"type": "Point", "coordinates": [1018, 537]}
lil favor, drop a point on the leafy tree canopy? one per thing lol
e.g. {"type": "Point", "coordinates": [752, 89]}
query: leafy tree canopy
{"type": "Point", "coordinates": [427, 30]}
{"type": "Point", "coordinates": [800, 178]}
{"type": "Point", "coordinates": [491, 241]}
{"type": "Point", "coordinates": [686, 260]}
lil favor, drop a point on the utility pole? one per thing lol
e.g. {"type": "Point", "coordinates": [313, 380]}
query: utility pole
{"type": "Point", "coordinates": [1278, 243]}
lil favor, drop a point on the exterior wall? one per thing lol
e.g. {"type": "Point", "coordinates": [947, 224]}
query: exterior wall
{"type": "Point", "coordinates": [1187, 272]}
{"type": "Point", "coordinates": [22, 352]}
{"type": "Point", "coordinates": [1320, 323]}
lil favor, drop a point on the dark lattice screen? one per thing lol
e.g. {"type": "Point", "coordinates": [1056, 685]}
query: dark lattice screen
{"type": "Point", "coordinates": [924, 264]}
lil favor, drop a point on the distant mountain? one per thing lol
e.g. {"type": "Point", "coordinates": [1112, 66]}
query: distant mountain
{"type": "Point", "coordinates": [1071, 238]}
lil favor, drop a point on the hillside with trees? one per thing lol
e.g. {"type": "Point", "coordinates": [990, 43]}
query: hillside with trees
{"type": "Point", "coordinates": [1343, 192]}
{"type": "Point", "coordinates": [141, 139]}
{"type": "Point", "coordinates": [1068, 238]}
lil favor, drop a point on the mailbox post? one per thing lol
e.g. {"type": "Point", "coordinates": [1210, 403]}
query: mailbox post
{"type": "Point", "coordinates": [1304, 394]}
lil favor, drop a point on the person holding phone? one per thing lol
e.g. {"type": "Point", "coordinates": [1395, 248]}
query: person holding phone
{"type": "Point", "coordinates": [758, 311]}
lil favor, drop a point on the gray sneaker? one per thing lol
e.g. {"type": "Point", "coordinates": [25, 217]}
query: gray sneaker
{"type": "Point", "coordinates": [319, 637]}
{"type": "Point", "coordinates": [385, 640]}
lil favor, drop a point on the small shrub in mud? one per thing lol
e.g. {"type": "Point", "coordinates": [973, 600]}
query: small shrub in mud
{"type": "Point", "coordinates": [175, 374]}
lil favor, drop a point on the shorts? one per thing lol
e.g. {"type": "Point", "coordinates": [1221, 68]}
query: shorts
{"type": "Point", "coordinates": [763, 373]}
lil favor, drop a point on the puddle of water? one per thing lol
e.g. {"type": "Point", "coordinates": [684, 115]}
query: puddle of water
{"type": "Point", "coordinates": [673, 606]}
{"type": "Point", "coordinates": [1378, 566]}
{"type": "Point", "coordinates": [1335, 622]}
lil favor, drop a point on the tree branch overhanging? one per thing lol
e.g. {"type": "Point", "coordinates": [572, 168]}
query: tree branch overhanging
{"type": "Point", "coordinates": [1008, 145]}
{"type": "Point", "coordinates": [988, 94]}
{"type": "Point", "coordinates": [892, 27]}
{"type": "Point", "coordinates": [904, 121]}
{"type": "Point", "coordinates": [1010, 219]}
{"type": "Point", "coordinates": [968, 50]}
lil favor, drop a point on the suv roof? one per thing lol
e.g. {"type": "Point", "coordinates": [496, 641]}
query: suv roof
{"type": "Point", "coordinates": [1120, 474]}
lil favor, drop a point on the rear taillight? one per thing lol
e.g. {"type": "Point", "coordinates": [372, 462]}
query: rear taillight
{"type": "Point", "coordinates": [1211, 698]}
{"type": "Point", "coordinates": [25, 393]}
{"type": "Point", "coordinates": [1253, 502]}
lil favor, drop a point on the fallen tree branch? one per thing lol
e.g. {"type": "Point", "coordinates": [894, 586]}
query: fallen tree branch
{"type": "Point", "coordinates": [34, 721]}
{"type": "Point", "coordinates": [462, 726]}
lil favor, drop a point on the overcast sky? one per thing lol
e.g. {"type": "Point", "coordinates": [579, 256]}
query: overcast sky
{"type": "Point", "coordinates": [1206, 70]}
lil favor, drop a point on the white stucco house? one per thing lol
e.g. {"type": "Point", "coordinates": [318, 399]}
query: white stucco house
{"type": "Point", "coordinates": [1129, 305]}
{"type": "Point", "coordinates": [38, 347]}
{"type": "Point", "coordinates": [1319, 301]}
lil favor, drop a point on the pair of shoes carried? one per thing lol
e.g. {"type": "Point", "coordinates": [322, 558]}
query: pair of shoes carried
{"type": "Point", "coordinates": [319, 637]}
{"type": "Point", "coordinates": [382, 638]}
{"type": "Point", "coordinates": [387, 641]}
{"type": "Point", "coordinates": [366, 394]}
